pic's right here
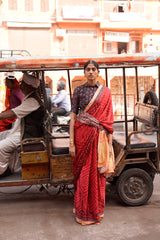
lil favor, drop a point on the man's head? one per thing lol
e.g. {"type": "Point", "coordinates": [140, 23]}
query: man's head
{"type": "Point", "coordinates": [61, 85]}
{"type": "Point", "coordinates": [11, 82]}
{"type": "Point", "coordinates": [29, 83]}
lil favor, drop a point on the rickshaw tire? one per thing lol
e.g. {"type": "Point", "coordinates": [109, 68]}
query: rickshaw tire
{"type": "Point", "coordinates": [150, 95]}
{"type": "Point", "coordinates": [114, 181]}
{"type": "Point", "coordinates": [134, 187]}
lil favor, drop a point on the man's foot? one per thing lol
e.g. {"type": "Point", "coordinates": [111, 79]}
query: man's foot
{"type": "Point", "coordinates": [6, 173]}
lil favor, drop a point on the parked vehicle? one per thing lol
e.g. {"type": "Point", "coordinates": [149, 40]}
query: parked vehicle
{"type": "Point", "coordinates": [46, 161]}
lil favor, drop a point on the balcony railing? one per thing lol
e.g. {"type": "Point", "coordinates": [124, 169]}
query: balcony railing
{"type": "Point", "coordinates": [120, 11]}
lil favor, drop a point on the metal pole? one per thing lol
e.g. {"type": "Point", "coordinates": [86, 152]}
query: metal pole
{"type": "Point", "coordinates": [125, 106]}
{"type": "Point", "coordinates": [43, 89]}
{"type": "Point", "coordinates": [135, 123]}
{"type": "Point", "coordinates": [137, 87]}
{"type": "Point", "coordinates": [106, 76]}
{"type": "Point", "coordinates": [69, 84]}
{"type": "Point", "coordinates": [46, 123]}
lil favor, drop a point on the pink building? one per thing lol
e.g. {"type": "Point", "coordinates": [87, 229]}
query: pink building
{"type": "Point", "coordinates": [86, 27]}
{"type": "Point", "coordinates": [72, 28]}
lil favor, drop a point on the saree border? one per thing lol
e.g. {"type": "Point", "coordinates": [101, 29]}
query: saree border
{"type": "Point", "coordinates": [92, 101]}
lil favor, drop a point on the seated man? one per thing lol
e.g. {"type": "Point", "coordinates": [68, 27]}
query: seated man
{"type": "Point", "coordinates": [29, 122]}
{"type": "Point", "coordinates": [61, 101]}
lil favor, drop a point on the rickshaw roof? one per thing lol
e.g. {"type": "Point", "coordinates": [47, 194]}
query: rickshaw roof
{"type": "Point", "coordinates": [46, 63]}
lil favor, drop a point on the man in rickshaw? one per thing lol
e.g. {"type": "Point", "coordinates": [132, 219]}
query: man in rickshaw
{"type": "Point", "coordinates": [29, 122]}
{"type": "Point", "coordinates": [61, 102]}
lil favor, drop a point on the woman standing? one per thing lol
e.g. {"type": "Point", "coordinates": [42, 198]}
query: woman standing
{"type": "Point", "coordinates": [13, 99]}
{"type": "Point", "coordinates": [91, 146]}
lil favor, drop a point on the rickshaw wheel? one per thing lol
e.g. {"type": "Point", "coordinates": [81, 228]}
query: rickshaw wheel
{"type": "Point", "coordinates": [134, 187]}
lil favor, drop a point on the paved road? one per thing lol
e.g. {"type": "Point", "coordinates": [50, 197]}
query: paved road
{"type": "Point", "coordinates": [35, 215]}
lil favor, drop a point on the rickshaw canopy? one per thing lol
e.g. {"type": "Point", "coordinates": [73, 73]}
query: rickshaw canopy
{"type": "Point", "coordinates": [115, 60]}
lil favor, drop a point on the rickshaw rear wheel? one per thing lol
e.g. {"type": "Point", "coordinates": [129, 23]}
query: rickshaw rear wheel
{"type": "Point", "coordinates": [134, 187]}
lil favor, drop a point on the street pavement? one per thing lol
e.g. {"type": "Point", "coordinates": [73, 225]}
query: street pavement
{"type": "Point", "coordinates": [35, 215]}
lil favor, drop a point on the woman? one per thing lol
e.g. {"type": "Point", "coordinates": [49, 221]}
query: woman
{"type": "Point", "coordinates": [91, 119]}
{"type": "Point", "coordinates": [13, 99]}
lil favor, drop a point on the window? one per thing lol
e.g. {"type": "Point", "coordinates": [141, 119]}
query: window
{"type": "Point", "coordinates": [82, 42]}
{"type": "Point", "coordinates": [28, 5]}
{"type": "Point", "coordinates": [135, 46]}
{"type": "Point", "coordinates": [120, 8]}
{"type": "Point", "coordinates": [44, 5]}
{"type": "Point", "coordinates": [107, 46]}
{"type": "Point", "coordinates": [158, 13]}
{"type": "Point", "coordinates": [12, 5]}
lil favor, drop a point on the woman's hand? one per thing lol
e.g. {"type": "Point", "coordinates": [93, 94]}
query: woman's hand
{"type": "Point", "coordinates": [110, 144]}
{"type": "Point", "coordinates": [72, 150]}
{"type": "Point", "coordinates": [110, 150]}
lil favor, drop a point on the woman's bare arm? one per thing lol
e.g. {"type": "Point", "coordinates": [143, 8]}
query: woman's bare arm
{"type": "Point", "coordinates": [72, 149]}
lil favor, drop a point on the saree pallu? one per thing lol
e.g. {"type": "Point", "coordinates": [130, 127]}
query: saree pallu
{"type": "Point", "coordinates": [89, 184]}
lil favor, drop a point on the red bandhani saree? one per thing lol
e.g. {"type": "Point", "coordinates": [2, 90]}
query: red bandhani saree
{"type": "Point", "coordinates": [89, 184]}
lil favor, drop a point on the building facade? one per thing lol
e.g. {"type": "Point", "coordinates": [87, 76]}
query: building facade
{"type": "Point", "coordinates": [80, 28]}
{"type": "Point", "coordinates": [89, 27]}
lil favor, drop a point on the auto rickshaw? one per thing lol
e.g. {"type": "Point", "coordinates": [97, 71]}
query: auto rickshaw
{"type": "Point", "coordinates": [46, 161]}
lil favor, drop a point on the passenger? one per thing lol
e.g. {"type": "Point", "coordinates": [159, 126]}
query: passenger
{"type": "Point", "coordinates": [13, 99]}
{"type": "Point", "coordinates": [91, 128]}
{"type": "Point", "coordinates": [61, 101]}
{"type": "Point", "coordinates": [29, 122]}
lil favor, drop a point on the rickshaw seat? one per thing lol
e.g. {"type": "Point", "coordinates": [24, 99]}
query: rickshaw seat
{"type": "Point", "coordinates": [32, 146]}
{"type": "Point", "coordinates": [60, 146]}
{"type": "Point", "coordinates": [136, 141]}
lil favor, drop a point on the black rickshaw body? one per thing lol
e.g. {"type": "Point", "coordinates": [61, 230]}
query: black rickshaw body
{"type": "Point", "coordinates": [47, 161]}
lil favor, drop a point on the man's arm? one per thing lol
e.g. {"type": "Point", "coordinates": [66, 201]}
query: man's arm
{"type": "Point", "coordinates": [26, 107]}
{"type": "Point", "coordinates": [7, 115]}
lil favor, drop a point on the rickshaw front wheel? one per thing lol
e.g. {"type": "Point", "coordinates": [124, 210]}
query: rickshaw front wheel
{"type": "Point", "coordinates": [134, 187]}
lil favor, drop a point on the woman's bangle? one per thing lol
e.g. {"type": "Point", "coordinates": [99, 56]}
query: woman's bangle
{"type": "Point", "coordinates": [71, 143]}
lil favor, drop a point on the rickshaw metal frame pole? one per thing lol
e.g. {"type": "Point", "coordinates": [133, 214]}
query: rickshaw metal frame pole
{"type": "Point", "coordinates": [106, 76]}
{"type": "Point", "coordinates": [69, 84]}
{"type": "Point", "coordinates": [137, 87]}
{"type": "Point", "coordinates": [125, 106]}
{"type": "Point", "coordinates": [45, 109]}
{"type": "Point", "coordinates": [135, 124]}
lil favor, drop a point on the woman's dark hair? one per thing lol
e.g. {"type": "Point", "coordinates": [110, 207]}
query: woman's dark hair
{"type": "Point", "coordinates": [91, 62]}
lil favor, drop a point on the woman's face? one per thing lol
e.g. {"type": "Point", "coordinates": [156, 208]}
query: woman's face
{"type": "Point", "coordinates": [9, 84]}
{"type": "Point", "coordinates": [91, 73]}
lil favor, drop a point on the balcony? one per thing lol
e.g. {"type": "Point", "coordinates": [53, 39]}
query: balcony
{"type": "Point", "coordinates": [25, 21]}
{"type": "Point", "coordinates": [115, 15]}
{"type": "Point", "coordinates": [78, 14]}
